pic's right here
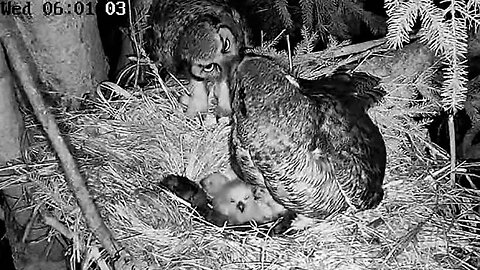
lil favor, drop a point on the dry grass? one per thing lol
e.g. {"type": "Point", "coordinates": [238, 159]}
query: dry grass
{"type": "Point", "coordinates": [125, 147]}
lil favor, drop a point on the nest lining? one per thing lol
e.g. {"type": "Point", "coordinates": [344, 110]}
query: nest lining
{"type": "Point", "coordinates": [125, 147]}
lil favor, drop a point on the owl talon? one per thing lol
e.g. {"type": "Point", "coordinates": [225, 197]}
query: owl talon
{"type": "Point", "coordinates": [301, 223]}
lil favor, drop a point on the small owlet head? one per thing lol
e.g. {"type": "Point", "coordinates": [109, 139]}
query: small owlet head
{"type": "Point", "coordinates": [234, 197]}
{"type": "Point", "coordinates": [213, 183]}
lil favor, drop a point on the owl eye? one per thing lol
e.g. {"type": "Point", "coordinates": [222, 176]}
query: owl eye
{"type": "Point", "coordinates": [209, 68]}
{"type": "Point", "coordinates": [226, 45]}
{"type": "Point", "coordinates": [232, 201]}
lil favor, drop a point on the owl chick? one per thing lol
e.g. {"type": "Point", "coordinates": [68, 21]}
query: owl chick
{"type": "Point", "coordinates": [310, 143]}
{"type": "Point", "coordinates": [213, 183]}
{"type": "Point", "coordinates": [187, 190]}
{"type": "Point", "coordinates": [199, 40]}
{"type": "Point", "coordinates": [237, 202]}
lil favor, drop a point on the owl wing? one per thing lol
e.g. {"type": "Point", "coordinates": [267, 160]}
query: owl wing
{"type": "Point", "coordinates": [351, 96]}
{"type": "Point", "coordinates": [357, 90]}
{"type": "Point", "coordinates": [242, 162]}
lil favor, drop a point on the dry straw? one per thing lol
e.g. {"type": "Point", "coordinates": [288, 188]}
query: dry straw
{"type": "Point", "coordinates": [124, 147]}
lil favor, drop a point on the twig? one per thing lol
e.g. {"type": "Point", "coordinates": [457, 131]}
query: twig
{"type": "Point", "coordinates": [17, 55]}
{"type": "Point", "coordinates": [31, 221]}
{"type": "Point", "coordinates": [374, 45]}
{"type": "Point", "coordinates": [451, 133]}
{"type": "Point", "coordinates": [290, 63]}
{"type": "Point", "coordinates": [356, 51]}
{"type": "Point", "coordinates": [402, 243]}
{"type": "Point", "coordinates": [57, 225]}
{"type": "Point", "coordinates": [433, 175]}
{"type": "Point", "coordinates": [134, 42]}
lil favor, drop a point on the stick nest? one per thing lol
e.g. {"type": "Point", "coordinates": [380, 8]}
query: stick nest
{"type": "Point", "coordinates": [125, 147]}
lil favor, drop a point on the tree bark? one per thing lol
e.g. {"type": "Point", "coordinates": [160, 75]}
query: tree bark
{"type": "Point", "coordinates": [66, 49]}
{"type": "Point", "coordinates": [27, 252]}
{"type": "Point", "coordinates": [66, 52]}
{"type": "Point", "coordinates": [11, 121]}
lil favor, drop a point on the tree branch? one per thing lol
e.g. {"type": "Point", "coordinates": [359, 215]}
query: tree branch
{"type": "Point", "coordinates": [17, 55]}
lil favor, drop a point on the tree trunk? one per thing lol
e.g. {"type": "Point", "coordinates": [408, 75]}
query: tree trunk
{"type": "Point", "coordinates": [11, 121]}
{"type": "Point", "coordinates": [66, 49]}
{"type": "Point", "coordinates": [27, 254]}
{"type": "Point", "coordinates": [66, 52]}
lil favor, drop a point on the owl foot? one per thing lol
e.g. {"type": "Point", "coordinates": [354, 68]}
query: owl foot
{"type": "Point", "coordinates": [301, 223]}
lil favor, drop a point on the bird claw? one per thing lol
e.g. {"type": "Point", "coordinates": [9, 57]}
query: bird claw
{"type": "Point", "coordinates": [301, 223]}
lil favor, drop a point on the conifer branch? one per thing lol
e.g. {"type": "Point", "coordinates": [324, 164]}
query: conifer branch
{"type": "Point", "coordinates": [333, 17]}
{"type": "Point", "coordinates": [454, 87]}
{"type": "Point", "coordinates": [434, 32]}
{"type": "Point", "coordinates": [307, 44]}
{"type": "Point", "coordinates": [375, 23]}
{"type": "Point", "coordinates": [308, 7]}
{"type": "Point", "coordinates": [281, 8]}
{"type": "Point", "coordinates": [473, 14]}
{"type": "Point", "coordinates": [400, 21]}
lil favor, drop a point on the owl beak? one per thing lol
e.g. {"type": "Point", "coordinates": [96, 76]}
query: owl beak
{"type": "Point", "coordinates": [222, 92]}
{"type": "Point", "coordinates": [241, 206]}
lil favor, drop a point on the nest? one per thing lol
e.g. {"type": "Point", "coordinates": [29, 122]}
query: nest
{"type": "Point", "coordinates": [125, 147]}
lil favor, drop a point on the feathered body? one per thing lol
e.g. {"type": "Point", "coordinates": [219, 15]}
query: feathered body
{"type": "Point", "coordinates": [236, 200]}
{"type": "Point", "coordinates": [213, 183]}
{"type": "Point", "coordinates": [243, 203]}
{"type": "Point", "coordinates": [472, 108]}
{"type": "Point", "coordinates": [183, 31]}
{"type": "Point", "coordinates": [234, 203]}
{"type": "Point", "coordinates": [187, 190]}
{"type": "Point", "coordinates": [198, 40]}
{"type": "Point", "coordinates": [310, 143]}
